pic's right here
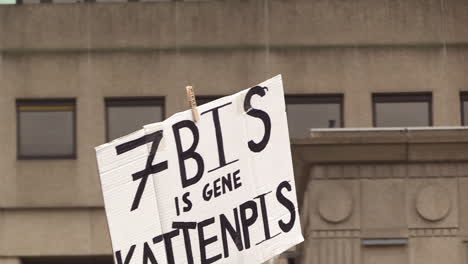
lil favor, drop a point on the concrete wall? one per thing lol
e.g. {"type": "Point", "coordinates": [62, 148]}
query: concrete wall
{"type": "Point", "coordinates": [91, 51]}
{"type": "Point", "coordinates": [394, 188]}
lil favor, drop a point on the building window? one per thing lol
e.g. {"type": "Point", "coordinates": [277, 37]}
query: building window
{"type": "Point", "coordinates": [201, 100]}
{"type": "Point", "coordinates": [402, 109]}
{"type": "Point", "coordinates": [105, 259]}
{"type": "Point", "coordinates": [464, 108]}
{"type": "Point", "coordinates": [313, 111]}
{"type": "Point", "coordinates": [126, 115]}
{"type": "Point", "coordinates": [46, 128]}
{"type": "Point", "coordinates": [7, 2]}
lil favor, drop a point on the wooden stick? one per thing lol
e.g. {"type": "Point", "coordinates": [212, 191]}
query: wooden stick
{"type": "Point", "coordinates": [192, 103]}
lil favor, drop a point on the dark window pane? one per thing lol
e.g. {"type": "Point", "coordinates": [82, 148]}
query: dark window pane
{"type": "Point", "coordinates": [464, 105]}
{"type": "Point", "coordinates": [402, 110]}
{"type": "Point", "coordinates": [68, 260]}
{"type": "Point", "coordinates": [201, 100]}
{"type": "Point", "coordinates": [402, 114]}
{"type": "Point", "coordinates": [465, 113]}
{"type": "Point", "coordinates": [124, 117]}
{"type": "Point", "coordinates": [46, 129]}
{"type": "Point", "coordinates": [309, 112]}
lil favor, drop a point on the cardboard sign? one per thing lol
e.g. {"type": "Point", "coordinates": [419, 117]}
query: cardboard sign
{"type": "Point", "coordinates": [220, 190]}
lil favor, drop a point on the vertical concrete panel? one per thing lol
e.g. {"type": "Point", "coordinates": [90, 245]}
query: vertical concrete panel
{"type": "Point", "coordinates": [358, 110]}
{"type": "Point", "coordinates": [316, 22]}
{"type": "Point", "coordinates": [7, 133]}
{"type": "Point", "coordinates": [358, 22]}
{"type": "Point", "coordinates": [42, 74]}
{"type": "Point", "coordinates": [446, 106]}
{"type": "Point", "coordinates": [129, 74]}
{"type": "Point", "coordinates": [100, 243]}
{"type": "Point", "coordinates": [2, 167]}
{"type": "Point", "coordinates": [57, 185]}
{"type": "Point", "coordinates": [311, 251]}
{"type": "Point", "coordinates": [401, 21]}
{"type": "Point", "coordinates": [2, 231]}
{"type": "Point", "coordinates": [385, 255]}
{"type": "Point", "coordinates": [115, 26]}
{"type": "Point", "coordinates": [7, 260]}
{"type": "Point", "coordinates": [46, 232]}
{"type": "Point", "coordinates": [91, 120]}
{"type": "Point", "coordinates": [400, 69]}
{"type": "Point", "coordinates": [323, 251]}
{"type": "Point", "coordinates": [301, 175]}
{"type": "Point", "coordinates": [331, 251]}
{"type": "Point", "coordinates": [455, 17]}
{"type": "Point", "coordinates": [435, 250]}
{"type": "Point", "coordinates": [215, 23]}
{"type": "Point", "coordinates": [456, 79]}
{"type": "Point", "coordinates": [446, 98]}
{"type": "Point", "coordinates": [463, 207]}
{"type": "Point", "coordinates": [357, 100]}
{"type": "Point", "coordinates": [46, 27]}
{"type": "Point", "coordinates": [303, 66]}
{"type": "Point", "coordinates": [2, 25]}
{"type": "Point", "coordinates": [383, 208]}
{"type": "Point", "coordinates": [13, 66]}
{"type": "Point", "coordinates": [357, 254]}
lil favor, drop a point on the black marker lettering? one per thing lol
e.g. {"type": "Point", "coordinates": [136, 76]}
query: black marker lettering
{"type": "Point", "coordinates": [247, 221]}
{"type": "Point", "coordinates": [257, 90]}
{"type": "Point", "coordinates": [219, 136]}
{"type": "Point", "coordinates": [205, 242]}
{"type": "Point", "coordinates": [207, 192]}
{"type": "Point", "coordinates": [150, 168]}
{"type": "Point", "coordinates": [185, 226]}
{"type": "Point", "coordinates": [237, 182]}
{"type": "Point", "coordinates": [188, 203]}
{"type": "Point", "coordinates": [235, 233]}
{"type": "Point", "coordinates": [217, 187]}
{"type": "Point", "coordinates": [189, 153]}
{"type": "Point", "coordinates": [118, 255]}
{"type": "Point", "coordinates": [168, 245]}
{"type": "Point", "coordinates": [286, 227]}
{"type": "Point", "coordinates": [177, 205]}
{"type": "Point", "coordinates": [266, 226]}
{"type": "Point", "coordinates": [148, 255]}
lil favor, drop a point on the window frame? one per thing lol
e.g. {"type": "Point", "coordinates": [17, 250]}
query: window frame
{"type": "Point", "coordinates": [402, 97]}
{"type": "Point", "coordinates": [329, 98]}
{"type": "Point", "coordinates": [133, 101]}
{"type": "Point", "coordinates": [46, 102]}
{"type": "Point", "coordinates": [463, 98]}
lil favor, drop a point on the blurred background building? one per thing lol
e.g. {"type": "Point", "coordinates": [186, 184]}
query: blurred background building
{"type": "Point", "coordinates": [371, 190]}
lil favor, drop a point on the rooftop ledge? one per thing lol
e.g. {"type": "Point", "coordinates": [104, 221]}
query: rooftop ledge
{"type": "Point", "coordinates": [372, 135]}
{"type": "Point", "coordinates": [398, 144]}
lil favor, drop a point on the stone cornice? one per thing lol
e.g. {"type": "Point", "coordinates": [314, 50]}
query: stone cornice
{"type": "Point", "coordinates": [398, 145]}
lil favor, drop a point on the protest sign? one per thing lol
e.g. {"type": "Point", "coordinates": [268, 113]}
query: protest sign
{"type": "Point", "coordinates": [220, 190]}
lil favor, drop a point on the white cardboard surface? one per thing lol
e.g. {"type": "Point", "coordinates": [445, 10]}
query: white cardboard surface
{"type": "Point", "coordinates": [264, 176]}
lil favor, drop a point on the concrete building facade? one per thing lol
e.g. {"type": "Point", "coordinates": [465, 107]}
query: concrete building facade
{"type": "Point", "coordinates": [387, 196]}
